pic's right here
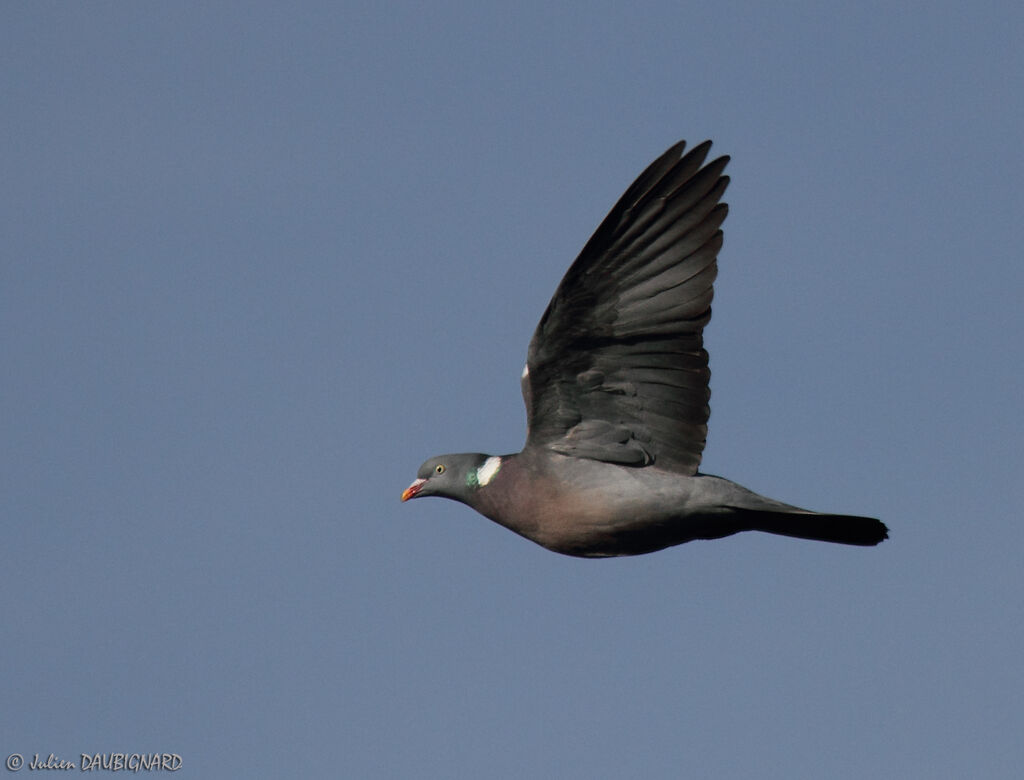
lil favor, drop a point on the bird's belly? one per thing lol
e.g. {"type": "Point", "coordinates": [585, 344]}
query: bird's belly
{"type": "Point", "coordinates": [603, 525]}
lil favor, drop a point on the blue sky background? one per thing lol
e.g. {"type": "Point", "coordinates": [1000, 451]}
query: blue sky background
{"type": "Point", "coordinates": [260, 260]}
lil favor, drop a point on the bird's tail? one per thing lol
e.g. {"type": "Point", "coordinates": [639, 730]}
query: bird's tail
{"type": "Point", "coordinates": [842, 529]}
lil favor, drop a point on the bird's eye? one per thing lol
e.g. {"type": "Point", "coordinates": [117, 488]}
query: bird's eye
{"type": "Point", "coordinates": [439, 468]}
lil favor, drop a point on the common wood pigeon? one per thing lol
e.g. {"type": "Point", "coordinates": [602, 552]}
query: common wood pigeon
{"type": "Point", "coordinates": [616, 392]}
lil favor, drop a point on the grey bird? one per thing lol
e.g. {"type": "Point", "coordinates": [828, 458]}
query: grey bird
{"type": "Point", "coordinates": [616, 391]}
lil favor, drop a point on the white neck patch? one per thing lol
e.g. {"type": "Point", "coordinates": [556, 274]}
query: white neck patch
{"type": "Point", "coordinates": [486, 472]}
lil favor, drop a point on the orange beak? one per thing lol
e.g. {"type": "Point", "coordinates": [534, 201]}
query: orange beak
{"type": "Point", "coordinates": [413, 489]}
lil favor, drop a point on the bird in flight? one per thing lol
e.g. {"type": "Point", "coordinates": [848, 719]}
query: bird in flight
{"type": "Point", "coordinates": [616, 392]}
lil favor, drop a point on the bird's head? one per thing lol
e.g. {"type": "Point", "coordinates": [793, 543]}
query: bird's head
{"type": "Point", "coordinates": [453, 476]}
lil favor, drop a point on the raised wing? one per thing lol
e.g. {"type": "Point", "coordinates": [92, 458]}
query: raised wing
{"type": "Point", "coordinates": [616, 369]}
